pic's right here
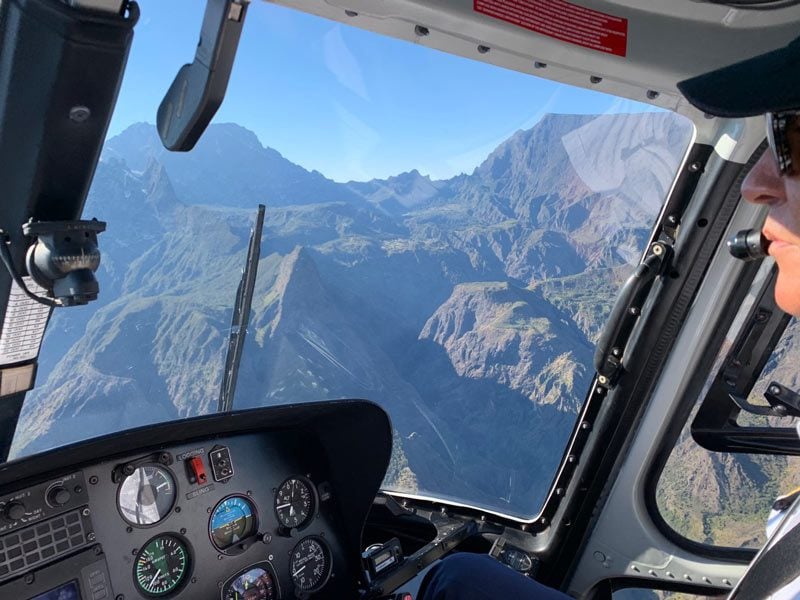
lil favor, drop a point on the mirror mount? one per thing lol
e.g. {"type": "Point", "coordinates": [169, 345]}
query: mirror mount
{"type": "Point", "coordinates": [199, 88]}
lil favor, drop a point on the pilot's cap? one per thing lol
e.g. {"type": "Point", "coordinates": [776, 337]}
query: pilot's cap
{"type": "Point", "coordinates": [766, 83]}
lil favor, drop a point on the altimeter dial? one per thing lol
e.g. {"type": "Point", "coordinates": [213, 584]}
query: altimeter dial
{"type": "Point", "coordinates": [310, 564]}
{"type": "Point", "coordinates": [161, 566]}
{"type": "Point", "coordinates": [295, 502]}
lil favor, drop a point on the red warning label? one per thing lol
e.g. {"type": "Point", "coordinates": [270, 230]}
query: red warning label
{"type": "Point", "coordinates": [563, 21]}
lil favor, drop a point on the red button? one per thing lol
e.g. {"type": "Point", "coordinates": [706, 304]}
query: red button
{"type": "Point", "coordinates": [198, 470]}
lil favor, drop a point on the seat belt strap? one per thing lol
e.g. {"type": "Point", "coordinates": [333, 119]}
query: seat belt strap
{"type": "Point", "coordinates": [778, 566]}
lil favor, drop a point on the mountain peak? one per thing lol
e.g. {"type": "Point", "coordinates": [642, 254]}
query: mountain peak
{"type": "Point", "coordinates": [297, 285]}
{"type": "Point", "coordinates": [228, 167]}
{"type": "Point", "coordinates": [406, 175]}
{"type": "Point", "coordinates": [139, 128]}
{"type": "Point", "coordinates": [160, 192]}
{"type": "Point", "coordinates": [399, 193]}
{"type": "Point", "coordinates": [231, 138]}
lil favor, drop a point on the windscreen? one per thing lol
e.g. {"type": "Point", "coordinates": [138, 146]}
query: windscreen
{"type": "Point", "coordinates": [442, 236]}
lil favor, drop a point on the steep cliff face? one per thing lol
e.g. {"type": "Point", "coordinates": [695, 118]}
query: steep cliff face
{"type": "Point", "coordinates": [574, 192]}
{"type": "Point", "coordinates": [516, 338]}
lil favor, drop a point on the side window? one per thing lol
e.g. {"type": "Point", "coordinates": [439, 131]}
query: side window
{"type": "Point", "coordinates": [723, 498]}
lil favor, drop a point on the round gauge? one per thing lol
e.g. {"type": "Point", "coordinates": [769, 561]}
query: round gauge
{"type": "Point", "coordinates": [255, 583]}
{"type": "Point", "coordinates": [233, 520]}
{"type": "Point", "coordinates": [295, 502]}
{"type": "Point", "coordinates": [147, 495]}
{"type": "Point", "coordinates": [162, 566]}
{"type": "Point", "coordinates": [310, 564]}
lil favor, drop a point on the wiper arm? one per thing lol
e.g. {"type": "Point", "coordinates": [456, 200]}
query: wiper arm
{"type": "Point", "coordinates": [241, 316]}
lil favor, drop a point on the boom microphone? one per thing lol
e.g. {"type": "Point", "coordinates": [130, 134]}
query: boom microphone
{"type": "Point", "coordinates": [749, 244]}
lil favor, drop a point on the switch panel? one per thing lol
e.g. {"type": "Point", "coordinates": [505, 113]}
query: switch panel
{"type": "Point", "coordinates": [221, 464]}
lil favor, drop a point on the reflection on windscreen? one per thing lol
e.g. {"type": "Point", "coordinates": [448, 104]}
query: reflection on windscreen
{"type": "Point", "coordinates": [466, 306]}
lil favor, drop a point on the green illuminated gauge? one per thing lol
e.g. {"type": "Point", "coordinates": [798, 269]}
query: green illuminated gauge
{"type": "Point", "coordinates": [295, 502]}
{"type": "Point", "coordinates": [310, 564]}
{"type": "Point", "coordinates": [161, 566]}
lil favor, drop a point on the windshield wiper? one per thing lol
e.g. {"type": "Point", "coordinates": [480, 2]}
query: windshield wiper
{"type": "Point", "coordinates": [241, 316]}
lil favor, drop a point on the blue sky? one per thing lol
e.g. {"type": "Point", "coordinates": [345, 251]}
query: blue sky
{"type": "Point", "coordinates": [349, 103]}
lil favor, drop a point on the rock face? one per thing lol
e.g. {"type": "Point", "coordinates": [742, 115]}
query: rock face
{"type": "Point", "coordinates": [467, 307]}
{"type": "Point", "coordinates": [515, 337]}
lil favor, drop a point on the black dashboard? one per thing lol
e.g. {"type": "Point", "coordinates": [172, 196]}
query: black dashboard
{"type": "Point", "coordinates": [251, 505]}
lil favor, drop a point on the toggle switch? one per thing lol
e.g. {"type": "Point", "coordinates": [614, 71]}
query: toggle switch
{"type": "Point", "coordinates": [197, 470]}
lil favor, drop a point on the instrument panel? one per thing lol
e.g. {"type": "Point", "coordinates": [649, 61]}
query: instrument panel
{"type": "Point", "coordinates": [237, 515]}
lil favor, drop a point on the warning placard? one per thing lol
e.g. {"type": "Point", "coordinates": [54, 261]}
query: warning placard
{"type": "Point", "coordinates": [24, 325]}
{"type": "Point", "coordinates": [563, 21]}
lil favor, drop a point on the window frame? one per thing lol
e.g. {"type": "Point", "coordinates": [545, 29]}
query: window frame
{"type": "Point", "coordinates": [715, 426]}
{"type": "Point", "coordinates": [690, 400]}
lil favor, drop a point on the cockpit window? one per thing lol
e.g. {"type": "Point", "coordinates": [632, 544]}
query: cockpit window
{"type": "Point", "coordinates": [442, 237]}
{"type": "Point", "coordinates": [724, 498]}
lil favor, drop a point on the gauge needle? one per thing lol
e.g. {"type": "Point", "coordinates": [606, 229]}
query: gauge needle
{"type": "Point", "coordinates": [152, 581]}
{"type": "Point", "coordinates": [283, 506]}
{"type": "Point", "coordinates": [300, 570]}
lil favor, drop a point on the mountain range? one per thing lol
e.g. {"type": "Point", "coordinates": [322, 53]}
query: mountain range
{"type": "Point", "coordinates": [467, 307]}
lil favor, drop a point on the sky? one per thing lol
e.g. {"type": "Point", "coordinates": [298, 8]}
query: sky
{"type": "Point", "coordinates": [346, 102]}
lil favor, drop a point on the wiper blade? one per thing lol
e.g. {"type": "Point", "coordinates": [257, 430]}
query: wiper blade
{"type": "Point", "coordinates": [241, 316]}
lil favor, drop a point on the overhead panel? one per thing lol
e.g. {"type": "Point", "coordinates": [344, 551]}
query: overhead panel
{"type": "Point", "coordinates": [633, 49]}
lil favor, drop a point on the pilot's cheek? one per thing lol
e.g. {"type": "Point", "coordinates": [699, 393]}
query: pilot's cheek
{"type": "Point", "coordinates": [787, 287]}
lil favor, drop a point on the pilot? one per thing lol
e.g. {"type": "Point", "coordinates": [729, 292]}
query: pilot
{"type": "Point", "coordinates": [767, 84]}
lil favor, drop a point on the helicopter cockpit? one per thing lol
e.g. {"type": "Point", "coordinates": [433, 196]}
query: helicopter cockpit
{"type": "Point", "coordinates": [344, 287]}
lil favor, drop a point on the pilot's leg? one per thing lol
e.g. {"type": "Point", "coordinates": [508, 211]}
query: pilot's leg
{"type": "Point", "coordinates": [467, 576]}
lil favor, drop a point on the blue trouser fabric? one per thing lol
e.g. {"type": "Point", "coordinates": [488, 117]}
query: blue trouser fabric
{"type": "Point", "coordinates": [466, 576]}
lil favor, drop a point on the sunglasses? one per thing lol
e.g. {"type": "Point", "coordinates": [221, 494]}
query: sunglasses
{"type": "Point", "coordinates": [783, 135]}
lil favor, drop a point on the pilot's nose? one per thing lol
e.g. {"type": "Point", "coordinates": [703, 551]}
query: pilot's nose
{"type": "Point", "coordinates": [764, 184]}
